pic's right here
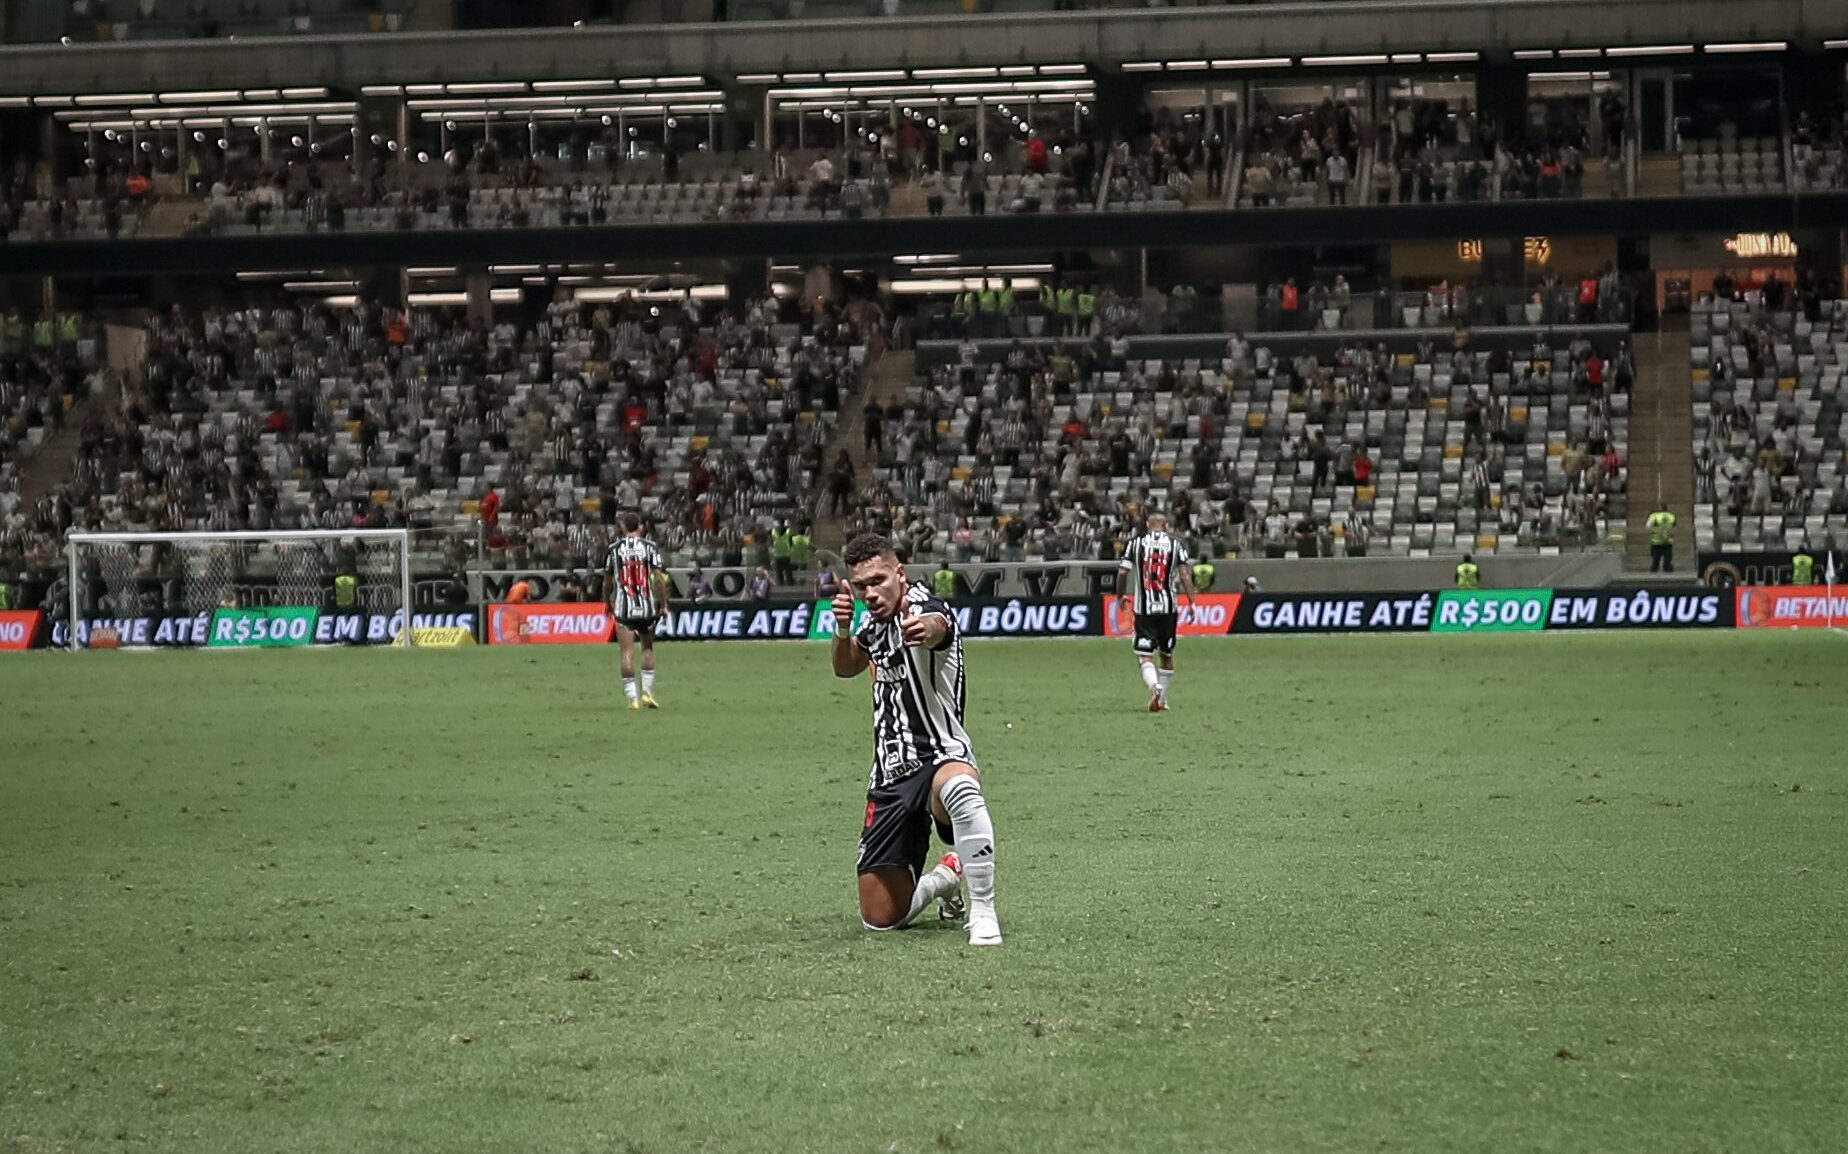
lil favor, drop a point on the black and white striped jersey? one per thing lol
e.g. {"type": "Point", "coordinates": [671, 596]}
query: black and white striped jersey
{"type": "Point", "coordinates": [918, 694]}
{"type": "Point", "coordinates": [633, 563]}
{"type": "Point", "coordinates": [1157, 562]}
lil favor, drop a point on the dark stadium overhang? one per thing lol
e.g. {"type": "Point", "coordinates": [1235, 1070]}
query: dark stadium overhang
{"type": "Point", "coordinates": [873, 239]}
{"type": "Point", "coordinates": [1105, 39]}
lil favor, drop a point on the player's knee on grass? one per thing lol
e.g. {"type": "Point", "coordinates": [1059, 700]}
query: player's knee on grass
{"type": "Point", "coordinates": [885, 898]}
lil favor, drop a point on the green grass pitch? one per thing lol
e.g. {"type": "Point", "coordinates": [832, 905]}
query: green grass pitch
{"type": "Point", "coordinates": [1559, 893]}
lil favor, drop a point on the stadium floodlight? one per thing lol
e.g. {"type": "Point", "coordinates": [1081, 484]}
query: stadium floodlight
{"type": "Point", "coordinates": [257, 587]}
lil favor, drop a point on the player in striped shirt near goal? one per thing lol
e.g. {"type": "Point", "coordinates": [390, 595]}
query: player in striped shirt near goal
{"type": "Point", "coordinates": [1158, 574]}
{"type": "Point", "coordinates": [638, 601]}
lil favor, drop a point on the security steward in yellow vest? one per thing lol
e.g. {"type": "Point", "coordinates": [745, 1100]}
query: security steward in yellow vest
{"type": "Point", "coordinates": [1661, 540]}
{"type": "Point", "coordinates": [1469, 574]}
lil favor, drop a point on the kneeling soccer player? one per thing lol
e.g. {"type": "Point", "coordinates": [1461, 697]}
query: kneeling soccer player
{"type": "Point", "coordinates": [923, 767]}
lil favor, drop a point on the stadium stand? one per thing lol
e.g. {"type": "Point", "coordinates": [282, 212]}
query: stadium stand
{"type": "Point", "coordinates": [46, 370]}
{"type": "Point", "coordinates": [301, 417]}
{"type": "Point", "coordinates": [1768, 436]}
{"type": "Point", "coordinates": [1286, 444]}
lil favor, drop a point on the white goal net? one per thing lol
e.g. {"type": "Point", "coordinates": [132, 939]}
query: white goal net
{"type": "Point", "coordinates": [240, 590]}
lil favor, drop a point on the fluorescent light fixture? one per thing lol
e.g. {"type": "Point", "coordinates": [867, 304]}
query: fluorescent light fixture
{"type": "Point", "coordinates": [1186, 65]}
{"type": "Point", "coordinates": [1349, 60]}
{"type": "Point", "coordinates": [919, 258]}
{"type": "Point", "coordinates": [431, 271]}
{"type": "Point", "coordinates": [500, 296]}
{"type": "Point", "coordinates": [701, 292]}
{"type": "Point", "coordinates": [865, 74]}
{"type": "Point", "coordinates": [1451, 57]}
{"type": "Point", "coordinates": [1561, 76]}
{"type": "Point", "coordinates": [1406, 58]}
{"type": "Point", "coordinates": [423, 89]}
{"type": "Point", "coordinates": [949, 73]}
{"type": "Point", "coordinates": [573, 85]}
{"type": "Point", "coordinates": [663, 81]}
{"type": "Point", "coordinates": [1835, 43]}
{"type": "Point", "coordinates": [1063, 69]}
{"type": "Point", "coordinates": [758, 78]}
{"type": "Point", "coordinates": [15, 102]}
{"type": "Point", "coordinates": [499, 86]}
{"type": "Point", "coordinates": [1746, 46]}
{"type": "Point", "coordinates": [950, 285]}
{"type": "Point", "coordinates": [1580, 53]}
{"type": "Point", "coordinates": [514, 269]}
{"type": "Point", "coordinates": [53, 101]}
{"type": "Point", "coordinates": [802, 78]}
{"type": "Point", "coordinates": [1142, 66]}
{"type": "Point", "coordinates": [1253, 62]}
{"type": "Point", "coordinates": [1649, 50]}
{"type": "Point", "coordinates": [117, 99]}
{"type": "Point", "coordinates": [308, 286]}
{"type": "Point", "coordinates": [381, 90]}
{"type": "Point", "coordinates": [1017, 70]}
{"type": "Point", "coordinates": [304, 94]}
{"type": "Point", "coordinates": [204, 96]}
{"type": "Point", "coordinates": [1533, 54]}
{"type": "Point", "coordinates": [262, 94]}
{"type": "Point", "coordinates": [349, 301]}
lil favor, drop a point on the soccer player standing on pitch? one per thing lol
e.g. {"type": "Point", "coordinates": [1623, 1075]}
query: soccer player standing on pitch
{"type": "Point", "coordinates": [1156, 567]}
{"type": "Point", "coordinates": [638, 601]}
{"type": "Point", "coordinates": [923, 766]}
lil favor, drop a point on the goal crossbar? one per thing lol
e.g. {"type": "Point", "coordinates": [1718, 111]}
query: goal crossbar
{"type": "Point", "coordinates": [77, 538]}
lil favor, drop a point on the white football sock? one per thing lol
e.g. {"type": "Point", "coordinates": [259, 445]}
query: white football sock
{"type": "Point", "coordinates": [975, 837]}
{"type": "Point", "coordinates": [1148, 675]}
{"type": "Point", "coordinates": [648, 682]}
{"type": "Point", "coordinates": [628, 687]}
{"type": "Point", "coordinates": [930, 887]}
{"type": "Point", "coordinates": [1166, 677]}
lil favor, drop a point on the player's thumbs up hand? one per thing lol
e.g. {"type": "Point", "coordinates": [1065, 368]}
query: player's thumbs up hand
{"type": "Point", "coordinates": [843, 608]}
{"type": "Point", "coordinates": [919, 630]}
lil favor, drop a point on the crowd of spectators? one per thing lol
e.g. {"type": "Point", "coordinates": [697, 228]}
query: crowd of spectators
{"type": "Point", "coordinates": [49, 368]}
{"type": "Point", "coordinates": [305, 417]}
{"type": "Point", "coordinates": [1761, 449]}
{"type": "Point", "coordinates": [1305, 155]}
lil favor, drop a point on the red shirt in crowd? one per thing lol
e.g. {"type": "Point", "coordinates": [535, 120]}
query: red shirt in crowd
{"type": "Point", "coordinates": [490, 509]}
{"type": "Point", "coordinates": [1363, 469]}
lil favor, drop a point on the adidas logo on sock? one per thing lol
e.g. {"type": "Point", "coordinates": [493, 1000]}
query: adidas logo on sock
{"type": "Point", "coordinates": [985, 851]}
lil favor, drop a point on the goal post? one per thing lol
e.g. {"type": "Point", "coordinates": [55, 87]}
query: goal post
{"type": "Point", "coordinates": [283, 577]}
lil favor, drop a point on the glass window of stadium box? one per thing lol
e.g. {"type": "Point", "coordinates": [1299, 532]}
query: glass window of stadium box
{"type": "Point", "coordinates": [1728, 130]}
{"type": "Point", "coordinates": [1295, 127]}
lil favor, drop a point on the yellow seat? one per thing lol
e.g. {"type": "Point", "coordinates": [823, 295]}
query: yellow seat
{"type": "Point", "coordinates": [381, 496]}
{"type": "Point", "coordinates": [471, 506]}
{"type": "Point", "coordinates": [1452, 452]}
{"type": "Point", "coordinates": [1164, 470]}
{"type": "Point", "coordinates": [1518, 414]}
{"type": "Point", "coordinates": [943, 428]}
{"type": "Point", "coordinates": [807, 416]}
{"type": "Point", "coordinates": [1543, 367]}
{"type": "Point", "coordinates": [1407, 360]}
{"type": "Point", "coordinates": [1495, 500]}
{"type": "Point", "coordinates": [700, 442]}
{"type": "Point", "coordinates": [1256, 420]}
{"type": "Point", "coordinates": [591, 505]}
{"type": "Point", "coordinates": [1340, 528]}
{"type": "Point", "coordinates": [1364, 494]}
{"type": "Point", "coordinates": [1702, 375]}
{"type": "Point", "coordinates": [1440, 404]}
{"type": "Point", "coordinates": [1555, 449]}
{"type": "Point", "coordinates": [1486, 542]}
{"type": "Point", "coordinates": [961, 472]}
{"type": "Point", "coordinates": [1787, 384]}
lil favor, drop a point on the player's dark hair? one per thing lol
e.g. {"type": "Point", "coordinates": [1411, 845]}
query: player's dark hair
{"type": "Point", "coordinates": [631, 522]}
{"type": "Point", "coordinates": [864, 548]}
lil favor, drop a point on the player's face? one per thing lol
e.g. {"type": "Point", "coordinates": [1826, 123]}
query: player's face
{"type": "Point", "coordinates": [880, 583]}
